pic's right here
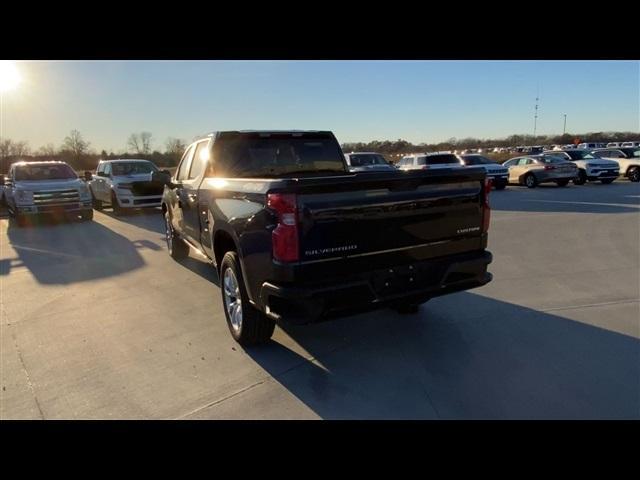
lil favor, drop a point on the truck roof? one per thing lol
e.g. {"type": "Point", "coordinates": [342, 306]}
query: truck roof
{"type": "Point", "coordinates": [265, 132]}
{"type": "Point", "coordinates": [125, 160]}
{"type": "Point", "coordinates": [39, 162]}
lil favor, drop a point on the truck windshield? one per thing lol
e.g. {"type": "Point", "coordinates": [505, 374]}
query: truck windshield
{"type": "Point", "coordinates": [276, 155]}
{"type": "Point", "coordinates": [44, 172]}
{"type": "Point", "coordinates": [363, 159]}
{"type": "Point", "coordinates": [132, 168]}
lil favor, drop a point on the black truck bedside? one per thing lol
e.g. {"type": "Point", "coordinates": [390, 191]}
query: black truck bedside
{"type": "Point", "coordinates": [296, 237]}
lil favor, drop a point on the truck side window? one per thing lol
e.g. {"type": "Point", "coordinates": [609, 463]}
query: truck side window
{"type": "Point", "coordinates": [200, 159]}
{"type": "Point", "coordinates": [107, 170]}
{"type": "Point", "coordinates": [100, 168]}
{"type": "Point", "coordinates": [185, 163]}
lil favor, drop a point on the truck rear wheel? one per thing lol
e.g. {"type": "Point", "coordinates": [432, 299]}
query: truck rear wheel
{"type": "Point", "coordinates": [248, 326]}
{"type": "Point", "coordinates": [634, 174]}
{"type": "Point", "coordinates": [87, 215]}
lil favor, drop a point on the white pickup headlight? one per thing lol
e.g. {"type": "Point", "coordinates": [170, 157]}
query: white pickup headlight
{"type": "Point", "coordinates": [24, 197]}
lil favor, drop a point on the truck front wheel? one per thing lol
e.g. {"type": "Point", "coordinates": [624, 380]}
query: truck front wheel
{"type": "Point", "coordinates": [176, 246]}
{"type": "Point", "coordinates": [247, 325]}
{"type": "Point", "coordinates": [87, 215]}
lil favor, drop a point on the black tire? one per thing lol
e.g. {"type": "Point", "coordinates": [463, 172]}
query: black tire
{"type": "Point", "coordinates": [500, 186]}
{"type": "Point", "coordinates": [581, 179]}
{"type": "Point", "coordinates": [634, 174]}
{"type": "Point", "coordinates": [176, 246]}
{"type": "Point", "coordinates": [87, 215]}
{"type": "Point", "coordinates": [562, 183]}
{"type": "Point", "coordinates": [21, 220]}
{"type": "Point", "coordinates": [607, 181]}
{"type": "Point", "coordinates": [117, 209]}
{"type": "Point", "coordinates": [254, 326]}
{"type": "Point", "coordinates": [530, 180]}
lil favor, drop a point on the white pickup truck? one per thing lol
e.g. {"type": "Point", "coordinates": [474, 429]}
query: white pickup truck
{"type": "Point", "coordinates": [126, 184]}
{"type": "Point", "coordinates": [35, 188]}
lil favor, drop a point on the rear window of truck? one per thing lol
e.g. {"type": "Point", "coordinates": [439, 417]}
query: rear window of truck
{"type": "Point", "coordinates": [258, 155]}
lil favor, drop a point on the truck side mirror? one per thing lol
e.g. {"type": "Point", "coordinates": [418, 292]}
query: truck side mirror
{"type": "Point", "coordinates": [88, 176]}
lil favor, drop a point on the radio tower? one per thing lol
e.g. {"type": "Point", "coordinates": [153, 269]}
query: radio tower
{"type": "Point", "coordinates": [535, 116]}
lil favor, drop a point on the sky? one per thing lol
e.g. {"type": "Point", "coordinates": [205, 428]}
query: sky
{"type": "Point", "coordinates": [418, 101]}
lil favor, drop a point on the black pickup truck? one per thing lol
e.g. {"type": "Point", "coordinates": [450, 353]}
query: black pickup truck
{"type": "Point", "coordinates": [296, 237]}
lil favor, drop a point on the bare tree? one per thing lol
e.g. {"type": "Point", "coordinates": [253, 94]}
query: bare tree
{"type": "Point", "coordinates": [6, 147]}
{"type": "Point", "coordinates": [76, 146]}
{"type": "Point", "coordinates": [140, 143]}
{"type": "Point", "coordinates": [47, 150]}
{"type": "Point", "coordinates": [175, 146]}
{"type": "Point", "coordinates": [20, 149]}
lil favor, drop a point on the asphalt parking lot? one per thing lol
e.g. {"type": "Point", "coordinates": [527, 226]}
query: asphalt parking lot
{"type": "Point", "coordinates": [99, 322]}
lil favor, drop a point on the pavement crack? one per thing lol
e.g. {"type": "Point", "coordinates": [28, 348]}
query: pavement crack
{"type": "Point", "coordinates": [26, 373]}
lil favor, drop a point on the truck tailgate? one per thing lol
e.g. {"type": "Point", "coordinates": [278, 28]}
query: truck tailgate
{"type": "Point", "coordinates": [370, 213]}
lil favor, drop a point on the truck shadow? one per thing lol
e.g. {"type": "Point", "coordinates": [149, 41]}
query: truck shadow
{"type": "Point", "coordinates": [147, 218]}
{"type": "Point", "coordinates": [71, 252]}
{"type": "Point", "coordinates": [464, 356]}
{"type": "Point", "coordinates": [619, 197]}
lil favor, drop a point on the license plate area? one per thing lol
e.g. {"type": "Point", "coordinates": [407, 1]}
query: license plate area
{"type": "Point", "coordinates": [405, 278]}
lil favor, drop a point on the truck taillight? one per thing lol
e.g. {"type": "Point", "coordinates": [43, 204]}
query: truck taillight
{"type": "Point", "coordinates": [486, 209]}
{"type": "Point", "coordinates": [284, 237]}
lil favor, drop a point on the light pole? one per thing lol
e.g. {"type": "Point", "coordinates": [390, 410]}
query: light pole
{"type": "Point", "coordinates": [564, 130]}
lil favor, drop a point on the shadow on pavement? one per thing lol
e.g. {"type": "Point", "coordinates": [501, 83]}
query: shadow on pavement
{"type": "Point", "coordinates": [147, 218]}
{"type": "Point", "coordinates": [464, 356]}
{"type": "Point", "coordinates": [70, 252]}
{"type": "Point", "coordinates": [201, 267]}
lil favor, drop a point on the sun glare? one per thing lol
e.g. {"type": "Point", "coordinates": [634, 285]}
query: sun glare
{"type": "Point", "coordinates": [9, 75]}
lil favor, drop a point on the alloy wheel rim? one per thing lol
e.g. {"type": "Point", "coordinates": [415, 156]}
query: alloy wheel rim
{"type": "Point", "coordinates": [232, 300]}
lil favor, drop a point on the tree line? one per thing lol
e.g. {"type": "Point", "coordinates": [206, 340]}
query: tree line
{"type": "Point", "coordinates": [400, 146]}
{"type": "Point", "coordinates": [78, 152]}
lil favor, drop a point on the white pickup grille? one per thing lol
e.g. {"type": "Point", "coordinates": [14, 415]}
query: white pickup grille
{"type": "Point", "coordinates": [55, 197]}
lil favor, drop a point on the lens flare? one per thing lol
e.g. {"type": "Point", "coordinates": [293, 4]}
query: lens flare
{"type": "Point", "coordinates": [9, 75]}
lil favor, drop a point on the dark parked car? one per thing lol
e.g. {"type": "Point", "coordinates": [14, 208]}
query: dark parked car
{"type": "Point", "coordinates": [296, 237]}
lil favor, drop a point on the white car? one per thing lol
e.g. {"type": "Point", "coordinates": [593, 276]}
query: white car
{"type": "Point", "coordinates": [126, 184]}
{"type": "Point", "coordinates": [35, 188]}
{"type": "Point", "coordinates": [498, 174]}
{"type": "Point", "coordinates": [590, 167]}
{"type": "Point", "coordinates": [631, 144]}
{"type": "Point", "coordinates": [627, 158]}
{"type": "Point", "coordinates": [612, 145]}
{"type": "Point", "coordinates": [367, 162]}
{"type": "Point", "coordinates": [423, 161]}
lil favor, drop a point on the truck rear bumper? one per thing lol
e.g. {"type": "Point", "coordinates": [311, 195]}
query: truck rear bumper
{"type": "Point", "coordinates": [410, 283]}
